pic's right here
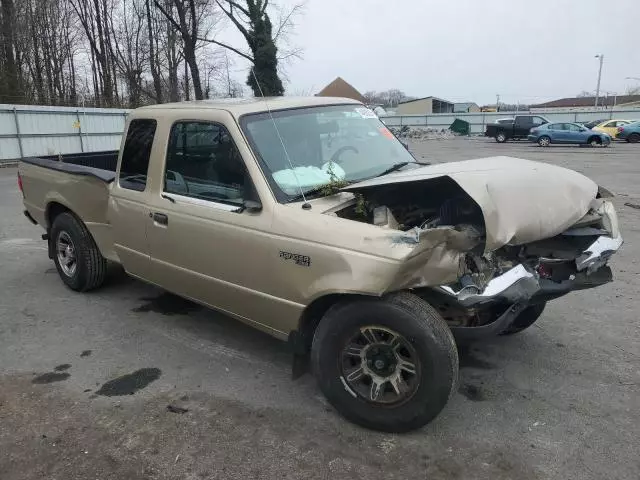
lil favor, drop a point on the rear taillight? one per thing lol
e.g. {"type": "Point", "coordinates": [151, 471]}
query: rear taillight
{"type": "Point", "coordinates": [20, 183]}
{"type": "Point", "coordinates": [620, 129]}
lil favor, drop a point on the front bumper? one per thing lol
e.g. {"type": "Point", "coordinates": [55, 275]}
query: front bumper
{"type": "Point", "coordinates": [532, 138]}
{"type": "Point", "coordinates": [521, 284]}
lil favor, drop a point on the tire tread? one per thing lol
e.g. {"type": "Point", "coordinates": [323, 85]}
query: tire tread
{"type": "Point", "coordinates": [94, 265]}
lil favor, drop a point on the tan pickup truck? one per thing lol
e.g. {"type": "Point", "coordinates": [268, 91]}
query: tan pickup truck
{"type": "Point", "coordinates": [308, 219]}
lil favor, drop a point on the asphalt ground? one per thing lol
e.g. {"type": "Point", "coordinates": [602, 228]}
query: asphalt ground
{"type": "Point", "coordinates": [86, 379]}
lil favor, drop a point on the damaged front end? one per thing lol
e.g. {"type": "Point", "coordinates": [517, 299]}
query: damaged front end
{"type": "Point", "coordinates": [493, 259]}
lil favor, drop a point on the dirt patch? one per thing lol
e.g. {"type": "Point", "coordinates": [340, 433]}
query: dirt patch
{"type": "Point", "coordinates": [129, 384]}
{"type": "Point", "coordinates": [50, 377]}
{"type": "Point", "coordinates": [472, 392]}
{"type": "Point", "coordinates": [219, 439]}
{"type": "Point", "coordinates": [167, 304]}
{"type": "Point", "coordinates": [62, 368]}
{"type": "Point", "coordinates": [85, 353]}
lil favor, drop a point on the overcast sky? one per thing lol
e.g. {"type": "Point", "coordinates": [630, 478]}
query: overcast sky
{"type": "Point", "coordinates": [468, 49]}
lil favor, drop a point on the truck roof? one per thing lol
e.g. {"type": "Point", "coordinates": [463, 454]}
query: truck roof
{"type": "Point", "coordinates": [241, 106]}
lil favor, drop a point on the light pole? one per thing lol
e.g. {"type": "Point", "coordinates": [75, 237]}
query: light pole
{"type": "Point", "coordinates": [601, 57]}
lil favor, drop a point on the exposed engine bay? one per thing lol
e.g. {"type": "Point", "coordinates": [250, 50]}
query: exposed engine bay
{"type": "Point", "coordinates": [491, 279]}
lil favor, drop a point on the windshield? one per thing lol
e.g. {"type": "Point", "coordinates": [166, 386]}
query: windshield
{"type": "Point", "coordinates": [343, 143]}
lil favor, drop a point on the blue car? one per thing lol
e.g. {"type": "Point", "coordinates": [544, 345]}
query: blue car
{"type": "Point", "coordinates": [629, 132]}
{"type": "Point", "coordinates": [570, 133]}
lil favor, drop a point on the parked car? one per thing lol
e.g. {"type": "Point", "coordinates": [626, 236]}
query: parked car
{"type": "Point", "coordinates": [515, 128]}
{"type": "Point", "coordinates": [568, 133]}
{"type": "Point", "coordinates": [307, 219]}
{"type": "Point", "coordinates": [629, 132]}
{"type": "Point", "coordinates": [592, 123]}
{"type": "Point", "coordinates": [610, 127]}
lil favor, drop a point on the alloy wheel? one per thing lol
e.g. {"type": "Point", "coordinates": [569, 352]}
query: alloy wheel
{"type": "Point", "coordinates": [380, 366]}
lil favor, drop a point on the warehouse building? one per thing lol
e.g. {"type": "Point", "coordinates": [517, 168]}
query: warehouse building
{"type": "Point", "coordinates": [424, 106]}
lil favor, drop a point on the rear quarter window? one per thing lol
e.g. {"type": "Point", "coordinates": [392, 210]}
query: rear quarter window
{"type": "Point", "coordinates": [136, 153]}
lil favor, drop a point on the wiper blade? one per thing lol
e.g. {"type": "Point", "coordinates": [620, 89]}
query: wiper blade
{"type": "Point", "coordinates": [393, 168]}
{"type": "Point", "coordinates": [308, 194]}
{"type": "Point", "coordinates": [316, 190]}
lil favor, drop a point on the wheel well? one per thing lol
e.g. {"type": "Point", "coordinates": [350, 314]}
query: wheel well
{"type": "Point", "coordinates": [53, 210]}
{"type": "Point", "coordinates": [594, 137]}
{"type": "Point", "coordinates": [301, 339]}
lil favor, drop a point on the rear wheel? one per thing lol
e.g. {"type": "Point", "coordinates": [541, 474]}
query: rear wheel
{"type": "Point", "coordinates": [388, 364]}
{"type": "Point", "coordinates": [501, 137]}
{"type": "Point", "coordinates": [544, 141]}
{"type": "Point", "coordinates": [634, 138]}
{"type": "Point", "coordinates": [76, 256]}
{"type": "Point", "coordinates": [526, 318]}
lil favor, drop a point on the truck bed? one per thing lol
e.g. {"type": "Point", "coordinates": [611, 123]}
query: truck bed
{"type": "Point", "coordinates": [101, 165]}
{"type": "Point", "coordinates": [78, 182]}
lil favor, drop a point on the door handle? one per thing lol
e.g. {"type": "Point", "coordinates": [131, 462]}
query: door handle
{"type": "Point", "coordinates": [161, 218]}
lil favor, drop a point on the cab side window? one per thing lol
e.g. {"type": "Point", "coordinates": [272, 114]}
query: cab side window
{"type": "Point", "coordinates": [537, 121]}
{"type": "Point", "coordinates": [204, 163]}
{"type": "Point", "coordinates": [134, 166]}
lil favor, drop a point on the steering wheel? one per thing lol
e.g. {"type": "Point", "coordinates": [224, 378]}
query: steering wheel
{"type": "Point", "coordinates": [340, 151]}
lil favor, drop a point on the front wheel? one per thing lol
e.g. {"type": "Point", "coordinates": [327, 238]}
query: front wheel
{"type": "Point", "coordinates": [387, 364]}
{"type": "Point", "coordinates": [526, 318]}
{"type": "Point", "coordinates": [595, 142]}
{"type": "Point", "coordinates": [544, 141]}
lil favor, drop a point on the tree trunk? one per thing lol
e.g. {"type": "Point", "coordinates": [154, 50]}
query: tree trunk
{"type": "Point", "coordinates": [12, 91]}
{"type": "Point", "coordinates": [157, 85]}
{"type": "Point", "coordinates": [190, 59]}
{"type": "Point", "coordinates": [187, 89]}
{"type": "Point", "coordinates": [172, 56]}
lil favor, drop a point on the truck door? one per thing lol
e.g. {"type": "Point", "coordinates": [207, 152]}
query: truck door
{"type": "Point", "coordinates": [128, 209]}
{"type": "Point", "coordinates": [204, 243]}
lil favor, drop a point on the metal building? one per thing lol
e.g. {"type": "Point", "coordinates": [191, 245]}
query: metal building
{"type": "Point", "coordinates": [424, 106]}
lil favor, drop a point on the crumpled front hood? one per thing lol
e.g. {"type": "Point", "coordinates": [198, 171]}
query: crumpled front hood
{"type": "Point", "coordinates": [521, 200]}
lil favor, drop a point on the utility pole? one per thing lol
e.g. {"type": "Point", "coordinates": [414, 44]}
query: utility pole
{"type": "Point", "coordinates": [497, 102]}
{"type": "Point", "coordinates": [601, 57]}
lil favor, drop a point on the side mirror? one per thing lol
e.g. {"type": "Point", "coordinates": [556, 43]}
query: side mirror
{"type": "Point", "coordinates": [250, 206]}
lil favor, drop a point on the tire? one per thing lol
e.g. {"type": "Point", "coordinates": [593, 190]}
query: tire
{"type": "Point", "coordinates": [90, 267]}
{"type": "Point", "coordinates": [527, 318]}
{"type": "Point", "coordinates": [501, 137]}
{"type": "Point", "coordinates": [544, 141]}
{"type": "Point", "coordinates": [422, 335]}
{"type": "Point", "coordinates": [594, 141]}
{"type": "Point", "coordinates": [634, 138]}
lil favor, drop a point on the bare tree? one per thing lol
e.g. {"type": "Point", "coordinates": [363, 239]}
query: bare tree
{"type": "Point", "coordinates": [93, 15]}
{"type": "Point", "coordinates": [9, 72]}
{"type": "Point", "coordinates": [131, 52]}
{"type": "Point", "coordinates": [188, 20]}
{"type": "Point", "coordinates": [251, 19]}
{"type": "Point", "coordinates": [635, 90]}
{"type": "Point", "coordinates": [387, 98]}
{"type": "Point", "coordinates": [153, 53]}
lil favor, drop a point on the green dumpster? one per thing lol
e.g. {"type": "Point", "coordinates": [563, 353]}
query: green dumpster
{"type": "Point", "coordinates": [460, 127]}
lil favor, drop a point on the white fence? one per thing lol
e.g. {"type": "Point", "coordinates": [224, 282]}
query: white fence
{"type": "Point", "coordinates": [478, 121]}
{"type": "Point", "coordinates": [27, 131]}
